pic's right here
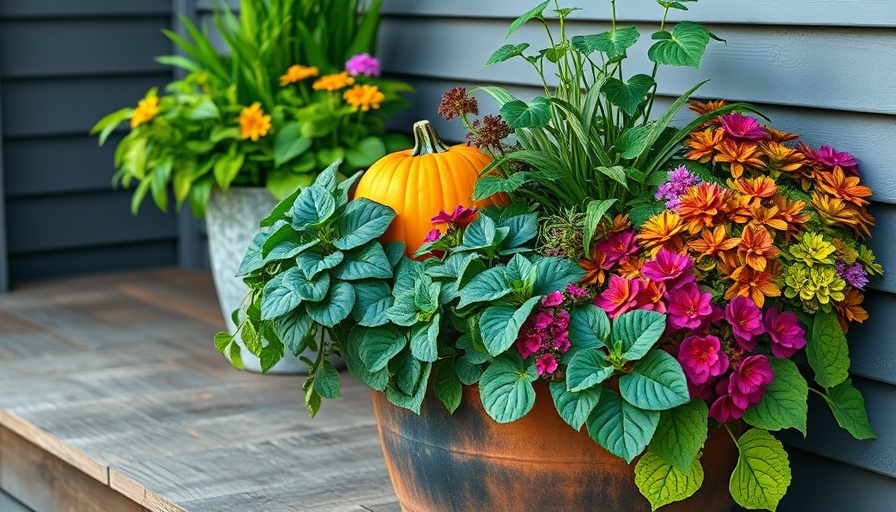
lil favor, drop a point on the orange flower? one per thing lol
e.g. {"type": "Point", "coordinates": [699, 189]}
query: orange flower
{"type": "Point", "coordinates": [253, 123]}
{"type": "Point", "coordinates": [740, 208]}
{"type": "Point", "coordinates": [704, 145]}
{"type": "Point", "coordinates": [333, 82]}
{"type": "Point", "coordinates": [768, 217]}
{"type": "Point", "coordinates": [755, 188]}
{"type": "Point", "coordinates": [779, 136]}
{"type": "Point", "coordinates": [702, 205]}
{"type": "Point", "coordinates": [147, 108]}
{"type": "Point", "coordinates": [781, 158]}
{"type": "Point", "coordinates": [850, 310]}
{"type": "Point", "coordinates": [662, 230]}
{"type": "Point", "coordinates": [706, 108]}
{"type": "Point", "coordinates": [739, 155]}
{"type": "Point", "coordinates": [594, 271]}
{"type": "Point", "coordinates": [712, 242]}
{"type": "Point", "coordinates": [847, 188]}
{"type": "Point", "coordinates": [364, 97]}
{"type": "Point", "coordinates": [297, 73]}
{"type": "Point", "coordinates": [752, 283]}
{"type": "Point", "coordinates": [791, 212]}
{"type": "Point", "coordinates": [756, 245]}
{"type": "Point", "coordinates": [834, 210]}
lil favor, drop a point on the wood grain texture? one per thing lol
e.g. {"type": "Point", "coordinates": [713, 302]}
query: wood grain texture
{"type": "Point", "coordinates": [125, 386]}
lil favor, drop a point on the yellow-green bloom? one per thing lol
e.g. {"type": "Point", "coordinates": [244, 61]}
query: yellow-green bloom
{"type": "Point", "coordinates": [818, 283]}
{"type": "Point", "coordinates": [813, 249]}
{"type": "Point", "coordinates": [872, 267]}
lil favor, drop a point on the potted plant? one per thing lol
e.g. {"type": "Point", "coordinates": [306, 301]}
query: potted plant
{"type": "Point", "coordinates": [246, 128]}
{"type": "Point", "coordinates": [618, 325]}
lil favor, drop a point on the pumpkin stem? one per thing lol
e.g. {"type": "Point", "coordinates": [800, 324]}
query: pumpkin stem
{"type": "Point", "coordinates": [426, 140]}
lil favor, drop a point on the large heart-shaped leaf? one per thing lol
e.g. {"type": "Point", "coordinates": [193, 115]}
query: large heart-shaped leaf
{"type": "Point", "coordinates": [556, 274]}
{"type": "Point", "coordinates": [662, 483]}
{"type": "Point", "coordinates": [366, 262]}
{"type": "Point", "coordinates": [505, 388]}
{"type": "Point", "coordinates": [363, 221]}
{"type": "Point", "coordinates": [683, 47]}
{"type": "Point", "coordinates": [574, 407]}
{"type": "Point", "coordinates": [313, 206]}
{"type": "Point", "coordinates": [518, 114]}
{"type": "Point", "coordinates": [508, 51]}
{"type": "Point", "coordinates": [372, 300]}
{"type": "Point", "coordinates": [535, 12]}
{"type": "Point", "coordinates": [656, 383]}
{"type": "Point", "coordinates": [500, 325]}
{"type": "Point", "coordinates": [620, 427]}
{"type": "Point", "coordinates": [827, 350]}
{"type": "Point", "coordinates": [628, 95]}
{"type": "Point", "coordinates": [681, 433]}
{"type": "Point", "coordinates": [612, 43]}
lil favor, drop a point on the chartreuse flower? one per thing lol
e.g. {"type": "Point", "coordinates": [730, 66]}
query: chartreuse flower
{"type": "Point", "coordinates": [818, 283]}
{"type": "Point", "coordinates": [813, 249]}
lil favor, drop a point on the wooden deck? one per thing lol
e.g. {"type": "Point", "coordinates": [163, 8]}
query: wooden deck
{"type": "Point", "coordinates": [113, 399]}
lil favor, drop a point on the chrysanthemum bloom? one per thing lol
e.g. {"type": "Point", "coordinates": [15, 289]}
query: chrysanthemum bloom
{"type": "Point", "coordinates": [363, 64]}
{"type": "Point", "coordinates": [833, 210]}
{"type": "Point", "coordinates": [749, 379]}
{"type": "Point", "coordinates": [254, 124]}
{"type": "Point", "coordinates": [847, 188]}
{"type": "Point", "coordinates": [779, 136]}
{"type": "Point", "coordinates": [850, 309]}
{"type": "Point", "coordinates": [711, 242]}
{"type": "Point", "coordinates": [756, 246]}
{"type": "Point", "coordinates": [620, 296]}
{"type": "Point", "coordinates": [745, 318]}
{"type": "Point", "coordinates": [333, 82]}
{"type": "Point", "coordinates": [833, 158]}
{"type": "Point", "coordinates": [677, 184]}
{"type": "Point", "coordinates": [739, 156]}
{"type": "Point", "coordinates": [297, 73]}
{"type": "Point", "coordinates": [741, 127]}
{"type": "Point", "coordinates": [785, 331]}
{"type": "Point", "coordinates": [364, 97]}
{"type": "Point", "coordinates": [461, 217]}
{"type": "Point", "coordinates": [768, 218]}
{"type": "Point", "coordinates": [147, 108]}
{"type": "Point", "coordinates": [456, 103]}
{"type": "Point", "coordinates": [702, 358]}
{"type": "Point", "coordinates": [760, 187]}
{"type": "Point", "coordinates": [668, 267]}
{"type": "Point", "coordinates": [704, 144]}
{"type": "Point", "coordinates": [703, 205]}
{"type": "Point", "coordinates": [791, 212]}
{"type": "Point", "coordinates": [618, 247]}
{"type": "Point", "coordinates": [688, 306]}
{"type": "Point", "coordinates": [813, 249]}
{"type": "Point", "coordinates": [781, 158]}
{"type": "Point", "coordinates": [854, 274]}
{"type": "Point", "coordinates": [662, 231]}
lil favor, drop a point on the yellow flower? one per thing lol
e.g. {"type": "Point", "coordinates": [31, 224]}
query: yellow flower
{"type": "Point", "coordinates": [253, 123]}
{"type": "Point", "coordinates": [333, 82]}
{"type": "Point", "coordinates": [147, 108]}
{"type": "Point", "coordinates": [297, 73]}
{"type": "Point", "coordinates": [365, 97]}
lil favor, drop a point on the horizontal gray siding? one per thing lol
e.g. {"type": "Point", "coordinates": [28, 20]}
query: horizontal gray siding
{"type": "Point", "coordinates": [63, 66]}
{"type": "Point", "coordinates": [822, 69]}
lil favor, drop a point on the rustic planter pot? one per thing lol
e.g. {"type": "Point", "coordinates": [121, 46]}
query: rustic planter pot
{"type": "Point", "coordinates": [440, 462]}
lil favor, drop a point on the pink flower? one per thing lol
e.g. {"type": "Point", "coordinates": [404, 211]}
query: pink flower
{"type": "Point", "coordinates": [543, 320]}
{"type": "Point", "coordinates": [528, 345]}
{"type": "Point", "coordinates": [620, 296]}
{"type": "Point", "coordinates": [724, 410]}
{"type": "Point", "coordinates": [746, 319]}
{"type": "Point", "coordinates": [785, 331]}
{"type": "Point", "coordinates": [749, 379]}
{"type": "Point", "coordinates": [552, 299]}
{"type": "Point", "coordinates": [833, 158]}
{"type": "Point", "coordinates": [618, 248]}
{"type": "Point", "coordinates": [576, 292]}
{"type": "Point", "coordinates": [363, 64]}
{"type": "Point", "coordinates": [688, 306]}
{"type": "Point", "coordinates": [739, 126]}
{"type": "Point", "coordinates": [546, 363]}
{"type": "Point", "coordinates": [432, 236]}
{"type": "Point", "coordinates": [461, 217]}
{"type": "Point", "coordinates": [671, 268]}
{"type": "Point", "coordinates": [702, 357]}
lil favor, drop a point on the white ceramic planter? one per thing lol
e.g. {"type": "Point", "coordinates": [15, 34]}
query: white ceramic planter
{"type": "Point", "coordinates": [232, 220]}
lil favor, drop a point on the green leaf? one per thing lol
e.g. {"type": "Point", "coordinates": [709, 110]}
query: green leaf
{"type": "Point", "coordinates": [628, 95]}
{"type": "Point", "coordinates": [335, 307]}
{"type": "Point", "coordinates": [587, 369]}
{"type": "Point", "coordinates": [594, 213]}
{"type": "Point", "coordinates": [278, 300]}
{"type": "Point", "coordinates": [574, 407]}
{"type": "Point", "coordinates": [363, 221]}
{"type": "Point", "coordinates": [312, 263]}
{"type": "Point", "coordinates": [312, 397]}
{"type": "Point", "coordinates": [506, 388]}
{"type": "Point", "coordinates": [227, 167]}
{"type": "Point", "coordinates": [366, 262]}
{"type": "Point", "coordinates": [634, 141]}
{"type": "Point", "coordinates": [424, 340]}
{"type": "Point", "coordinates": [326, 380]}
{"type": "Point", "coordinates": [556, 274]}
{"type": "Point", "coordinates": [313, 206]}
{"type": "Point", "coordinates": [282, 234]}
{"type": "Point", "coordinates": [313, 290]}
{"type": "Point", "coordinates": [222, 340]}
{"type": "Point", "coordinates": [289, 143]}
{"type": "Point", "coordinates": [279, 211]}
{"type": "Point", "coordinates": [379, 345]}
{"type": "Point", "coordinates": [762, 474]}
{"type": "Point", "coordinates": [485, 287]}
{"type": "Point", "coordinates": [685, 47]}
{"type": "Point", "coordinates": [500, 325]}
{"type": "Point", "coordinates": [327, 178]}
{"type": "Point", "coordinates": [614, 44]}
{"type": "Point", "coordinates": [638, 331]}
{"type": "Point", "coordinates": [784, 403]}
{"type": "Point", "coordinates": [372, 300]}
{"type": "Point", "coordinates": [523, 228]}
{"type": "Point", "coordinates": [536, 12]}
{"type": "Point", "coordinates": [251, 339]}
{"type": "Point", "coordinates": [827, 350]}
{"type": "Point", "coordinates": [518, 114]}
{"type": "Point", "coordinates": [351, 354]}
{"type": "Point", "coordinates": [681, 433]}
{"type": "Point", "coordinates": [506, 52]}
{"type": "Point", "coordinates": [467, 371]}
{"type": "Point", "coordinates": [403, 312]}
{"type": "Point", "coordinates": [662, 483]}
{"type": "Point", "coordinates": [489, 185]}
{"type": "Point", "coordinates": [448, 387]}
{"type": "Point", "coordinates": [589, 327]}
{"type": "Point", "coordinates": [656, 383]}
{"type": "Point", "coordinates": [413, 400]}
{"type": "Point", "coordinates": [293, 330]}
{"type": "Point", "coordinates": [366, 152]}
{"type": "Point", "coordinates": [620, 427]}
{"type": "Point", "coordinates": [848, 406]}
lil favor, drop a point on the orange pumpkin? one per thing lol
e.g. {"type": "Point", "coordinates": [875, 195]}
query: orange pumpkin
{"type": "Point", "coordinates": [421, 182]}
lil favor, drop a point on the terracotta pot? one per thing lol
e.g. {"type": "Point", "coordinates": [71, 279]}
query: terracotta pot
{"type": "Point", "coordinates": [440, 462]}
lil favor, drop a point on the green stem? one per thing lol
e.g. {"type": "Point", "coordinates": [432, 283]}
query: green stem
{"type": "Point", "coordinates": [656, 68]}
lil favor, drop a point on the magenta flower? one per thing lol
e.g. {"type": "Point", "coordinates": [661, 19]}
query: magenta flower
{"type": "Point", "coordinates": [528, 345]}
{"type": "Point", "coordinates": [671, 268]}
{"type": "Point", "coordinates": [724, 410]}
{"type": "Point", "coordinates": [688, 306]}
{"type": "Point", "coordinates": [543, 319]}
{"type": "Point", "coordinates": [702, 357]}
{"type": "Point", "coordinates": [432, 236]}
{"type": "Point", "coordinates": [746, 319]}
{"type": "Point", "coordinates": [785, 331]}
{"type": "Point", "coordinates": [576, 292]}
{"type": "Point", "coordinates": [552, 299]}
{"type": "Point", "coordinates": [363, 64]}
{"type": "Point", "coordinates": [618, 248]}
{"type": "Point", "coordinates": [739, 126]}
{"type": "Point", "coordinates": [546, 363]}
{"type": "Point", "coordinates": [620, 296]}
{"type": "Point", "coordinates": [749, 379]}
{"type": "Point", "coordinates": [461, 217]}
{"type": "Point", "coordinates": [833, 158]}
